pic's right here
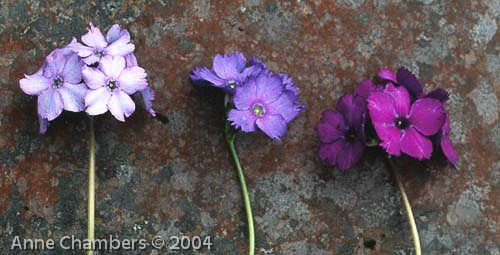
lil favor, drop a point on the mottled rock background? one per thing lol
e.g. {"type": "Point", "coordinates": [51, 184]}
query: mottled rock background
{"type": "Point", "coordinates": [173, 175]}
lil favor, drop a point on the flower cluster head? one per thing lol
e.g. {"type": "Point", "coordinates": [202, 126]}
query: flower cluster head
{"type": "Point", "coordinates": [260, 99]}
{"type": "Point", "coordinates": [405, 119]}
{"type": "Point", "coordinates": [95, 77]}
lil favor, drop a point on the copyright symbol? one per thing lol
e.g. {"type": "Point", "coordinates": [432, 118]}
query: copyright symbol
{"type": "Point", "coordinates": [158, 242]}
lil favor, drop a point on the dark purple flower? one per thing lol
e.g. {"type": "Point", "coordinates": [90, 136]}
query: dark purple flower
{"type": "Point", "coordinates": [342, 132]}
{"type": "Point", "coordinates": [228, 71]}
{"type": "Point", "coordinates": [403, 78]}
{"type": "Point", "coordinates": [57, 85]}
{"type": "Point", "coordinates": [96, 46]}
{"type": "Point", "coordinates": [264, 102]}
{"type": "Point", "coordinates": [403, 126]}
{"type": "Point", "coordinates": [366, 87]}
{"type": "Point", "coordinates": [147, 94]}
{"type": "Point", "coordinates": [110, 86]}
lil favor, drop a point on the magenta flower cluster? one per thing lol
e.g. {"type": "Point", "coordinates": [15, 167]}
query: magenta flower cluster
{"type": "Point", "coordinates": [260, 99]}
{"type": "Point", "coordinates": [96, 76]}
{"type": "Point", "coordinates": [405, 119]}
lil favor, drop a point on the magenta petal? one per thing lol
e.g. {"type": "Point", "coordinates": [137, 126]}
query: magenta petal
{"type": "Point", "coordinates": [381, 107]}
{"type": "Point", "coordinates": [329, 151]}
{"type": "Point", "coordinates": [447, 148]}
{"type": "Point", "coordinates": [122, 47]}
{"type": "Point", "coordinates": [391, 138]}
{"type": "Point", "coordinates": [364, 88]}
{"type": "Point", "coordinates": [50, 104]}
{"type": "Point", "coordinates": [269, 88]}
{"type": "Point", "coordinates": [242, 119]}
{"type": "Point", "coordinates": [112, 66]}
{"type": "Point", "coordinates": [203, 73]}
{"type": "Point", "coordinates": [350, 154]}
{"type": "Point", "coordinates": [245, 96]}
{"type": "Point", "coordinates": [133, 79]}
{"type": "Point", "coordinates": [273, 125]}
{"type": "Point", "coordinates": [401, 99]}
{"type": "Point", "coordinates": [409, 81]}
{"type": "Point", "coordinates": [284, 106]}
{"type": "Point", "coordinates": [44, 123]}
{"type": "Point", "coordinates": [415, 144]}
{"type": "Point", "coordinates": [331, 127]}
{"type": "Point", "coordinates": [93, 77]}
{"type": "Point", "coordinates": [121, 105]}
{"type": "Point", "coordinates": [72, 72]}
{"type": "Point", "coordinates": [72, 96]}
{"type": "Point", "coordinates": [97, 100]}
{"type": "Point", "coordinates": [386, 74]}
{"type": "Point", "coordinates": [427, 115]}
{"type": "Point", "coordinates": [94, 38]}
{"type": "Point", "coordinates": [34, 84]}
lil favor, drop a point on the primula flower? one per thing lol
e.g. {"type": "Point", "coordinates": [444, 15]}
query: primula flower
{"type": "Point", "coordinates": [110, 86]}
{"type": "Point", "coordinates": [228, 71]}
{"type": "Point", "coordinates": [147, 94]}
{"type": "Point", "coordinates": [264, 102]}
{"type": "Point", "coordinates": [57, 85]}
{"type": "Point", "coordinates": [96, 46]}
{"type": "Point", "coordinates": [342, 132]}
{"type": "Point", "coordinates": [259, 66]}
{"type": "Point", "coordinates": [403, 126]}
{"type": "Point", "coordinates": [403, 78]}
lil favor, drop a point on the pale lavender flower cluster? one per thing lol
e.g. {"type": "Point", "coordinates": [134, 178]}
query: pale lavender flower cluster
{"type": "Point", "coordinates": [260, 99]}
{"type": "Point", "coordinates": [96, 76]}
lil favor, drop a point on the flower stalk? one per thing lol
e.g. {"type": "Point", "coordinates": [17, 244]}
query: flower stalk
{"type": "Point", "coordinates": [91, 199]}
{"type": "Point", "coordinates": [251, 234]}
{"type": "Point", "coordinates": [409, 213]}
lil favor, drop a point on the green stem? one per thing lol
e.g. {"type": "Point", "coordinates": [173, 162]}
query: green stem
{"type": "Point", "coordinates": [91, 199]}
{"type": "Point", "coordinates": [409, 213]}
{"type": "Point", "coordinates": [246, 199]}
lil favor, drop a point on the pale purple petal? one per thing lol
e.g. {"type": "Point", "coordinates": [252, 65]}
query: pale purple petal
{"type": "Point", "coordinates": [427, 115]}
{"type": "Point", "coordinates": [112, 66]}
{"type": "Point", "coordinates": [148, 96]}
{"type": "Point", "coordinates": [131, 60]}
{"type": "Point", "coordinates": [96, 100]}
{"type": "Point", "coordinates": [245, 96]}
{"type": "Point", "coordinates": [415, 144]}
{"type": "Point", "coordinates": [350, 154]}
{"type": "Point", "coordinates": [132, 79]}
{"type": "Point", "coordinates": [55, 64]}
{"type": "Point", "coordinates": [255, 61]}
{"type": "Point", "coordinates": [364, 89]}
{"type": "Point", "coordinates": [122, 47]}
{"type": "Point", "coordinates": [72, 96]}
{"type": "Point", "coordinates": [352, 108]}
{"type": "Point", "coordinates": [401, 99]}
{"type": "Point", "coordinates": [329, 151]}
{"type": "Point", "coordinates": [34, 84]}
{"type": "Point", "coordinates": [72, 72]}
{"type": "Point", "coordinates": [44, 123]}
{"type": "Point", "coordinates": [386, 74]}
{"type": "Point", "coordinates": [243, 119]}
{"type": "Point", "coordinates": [331, 127]}
{"type": "Point", "coordinates": [447, 148]}
{"type": "Point", "coordinates": [409, 81]}
{"type": "Point", "coordinates": [113, 33]}
{"type": "Point", "coordinates": [273, 125]}
{"type": "Point", "coordinates": [203, 73]}
{"type": "Point", "coordinates": [284, 106]}
{"type": "Point", "coordinates": [94, 38]}
{"type": "Point", "coordinates": [50, 104]}
{"type": "Point", "coordinates": [82, 50]}
{"type": "Point", "coordinates": [91, 59]}
{"type": "Point", "coordinates": [121, 105]}
{"type": "Point", "coordinates": [381, 107]}
{"type": "Point", "coordinates": [269, 87]}
{"type": "Point", "coordinates": [229, 66]}
{"type": "Point", "coordinates": [93, 77]}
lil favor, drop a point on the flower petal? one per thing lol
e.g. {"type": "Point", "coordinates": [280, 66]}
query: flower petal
{"type": "Point", "coordinates": [203, 73]}
{"type": "Point", "coordinates": [401, 99]}
{"type": "Point", "coordinates": [439, 94]}
{"type": "Point", "coordinates": [331, 127]}
{"type": "Point", "coordinates": [72, 96]}
{"type": "Point", "coordinates": [245, 96]}
{"type": "Point", "coordinates": [121, 105]}
{"type": "Point", "coordinates": [82, 50]}
{"type": "Point", "coordinates": [409, 81]}
{"type": "Point", "coordinates": [72, 72]}
{"type": "Point", "coordinates": [350, 154]}
{"type": "Point", "coordinates": [96, 100]}
{"type": "Point", "coordinates": [113, 33]}
{"type": "Point", "coordinates": [50, 104]}
{"type": "Point", "coordinates": [269, 87]}
{"type": "Point", "coordinates": [34, 84]}
{"type": "Point", "coordinates": [285, 106]}
{"type": "Point", "coordinates": [391, 138]}
{"type": "Point", "coordinates": [427, 115]}
{"type": "Point", "coordinates": [93, 77]}
{"type": "Point", "coordinates": [112, 66]}
{"type": "Point", "coordinates": [44, 123]}
{"type": "Point", "coordinates": [55, 64]}
{"type": "Point", "coordinates": [273, 125]}
{"type": "Point", "coordinates": [91, 59]}
{"type": "Point", "coordinates": [447, 148]}
{"type": "Point", "coordinates": [242, 119]}
{"type": "Point", "coordinates": [122, 46]}
{"type": "Point", "coordinates": [415, 144]}
{"type": "Point", "coordinates": [228, 67]}
{"type": "Point", "coordinates": [386, 74]}
{"type": "Point", "coordinates": [131, 60]}
{"type": "Point", "coordinates": [364, 89]}
{"type": "Point", "coordinates": [329, 151]}
{"type": "Point", "coordinates": [132, 79]}
{"type": "Point", "coordinates": [148, 96]}
{"type": "Point", "coordinates": [94, 38]}
{"type": "Point", "coordinates": [381, 107]}
{"type": "Point", "coordinates": [353, 110]}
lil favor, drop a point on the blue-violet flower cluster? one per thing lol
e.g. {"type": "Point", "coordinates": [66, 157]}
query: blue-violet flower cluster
{"type": "Point", "coordinates": [96, 76]}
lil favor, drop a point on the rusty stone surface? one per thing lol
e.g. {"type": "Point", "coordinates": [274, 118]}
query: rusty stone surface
{"type": "Point", "coordinates": [173, 175]}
